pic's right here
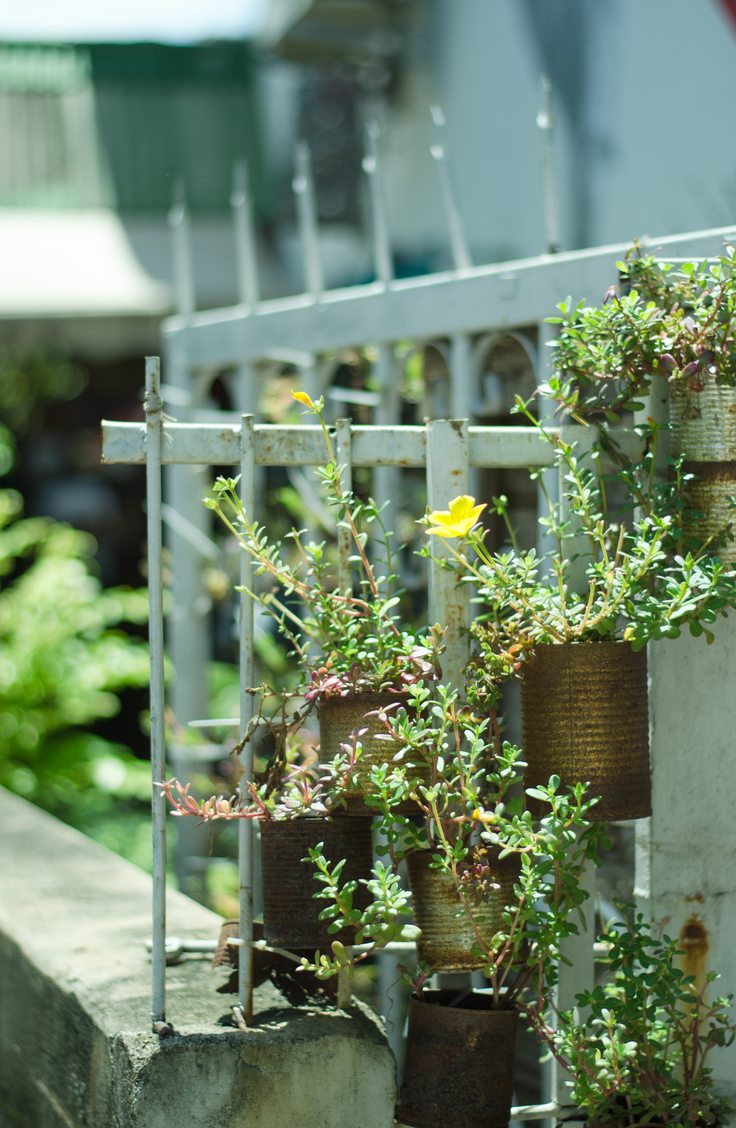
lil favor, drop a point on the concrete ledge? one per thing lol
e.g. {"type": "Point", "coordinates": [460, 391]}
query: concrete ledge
{"type": "Point", "coordinates": [75, 1044]}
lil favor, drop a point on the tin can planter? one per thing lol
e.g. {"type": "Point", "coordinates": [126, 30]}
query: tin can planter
{"type": "Point", "coordinates": [585, 718]}
{"type": "Point", "coordinates": [338, 716]}
{"type": "Point", "coordinates": [459, 1068]}
{"type": "Point", "coordinates": [290, 910]}
{"type": "Point", "coordinates": [708, 441]}
{"type": "Point", "coordinates": [446, 940]}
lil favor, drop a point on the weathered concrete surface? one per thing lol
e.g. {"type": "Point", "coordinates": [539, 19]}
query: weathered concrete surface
{"type": "Point", "coordinates": [75, 1042]}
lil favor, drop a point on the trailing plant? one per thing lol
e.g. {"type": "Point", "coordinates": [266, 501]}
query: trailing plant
{"type": "Point", "coordinates": [642, 1054]}
{"type": "Point", "coordinates": [631, 587]}
{"type": "Point", "coordinates": [470, 823]}
{"type": "Point", "coordinates": [663, 321]}
{"type": "Point", "coordinates": [345, 641]}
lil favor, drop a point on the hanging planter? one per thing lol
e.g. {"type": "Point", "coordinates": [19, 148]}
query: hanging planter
{"type": "Point", "coordinates": [584, 717]}
{"type": "Point", "coordinates": [338, 717]}
{"type": "Point", "coordinates": [290, 910]}
{"type": "Point", "coordinates": [704, 430]}
{"type": "Point", "coordinates": [459, 1068]}
{"type": "Point", "coordinates": [447, 939]}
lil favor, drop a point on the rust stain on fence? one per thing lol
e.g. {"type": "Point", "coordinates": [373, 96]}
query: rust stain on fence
{"type": "Point", "coordinates": [694, 943]}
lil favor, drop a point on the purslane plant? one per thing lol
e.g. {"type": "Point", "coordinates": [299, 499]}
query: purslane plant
{"type": "Point", "coordinates": [346, 642]}
{"type": "Point", "coordinates": [675, 323]}
{"type": "Point", "coordinates": [632, 588]}
{"type": "Point", "coordinates": [470, 824]}
{"type": "Point", "coordinates": [642, 1054]}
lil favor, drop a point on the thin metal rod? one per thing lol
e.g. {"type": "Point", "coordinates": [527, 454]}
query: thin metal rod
{"type": "Point", "coordinates": [460, 253]}
{"type": "Point", "coordinates": [245, 828]}
{"type": "Point", "coordinates": [342, 454]}
{"type": "Point", "coordinates": [306, 207]}
{"type": "Point", "coordinates": [153, 407]}
{"type": "Point", "coordinates": [344, 985]}
{"type": "Point", "coordinates": [546, 123]}
{"type": "Point", "coordinates": [383, 259]}
{"type": "Point", "coordinates": [245, 238]}
{"type": "Point", "coordinates": [180, 224]}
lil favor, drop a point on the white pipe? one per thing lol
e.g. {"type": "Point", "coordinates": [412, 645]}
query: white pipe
{"type": "Point", "coordinates": [245, 828]}
{"type": "Point", "coordinates": [153, 406]}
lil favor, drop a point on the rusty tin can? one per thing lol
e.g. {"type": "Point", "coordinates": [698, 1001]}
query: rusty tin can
{"type": "Point", "coordinates": [703, 427]}
{"type": "Point", "coordinates": [290, 909]}
{"type": "Point", "coordinates": [711, 490]}
{"type": "Point", "coordinates": [585, 718]}
{"type": "Point", "coordinates": [447, 939]}
{"type": "Point", "coordinates": [708, 442]}
{"type": "Point", "coordinates": [459, 1068]}
{"type": "Point", "coordinates": [338, 716]}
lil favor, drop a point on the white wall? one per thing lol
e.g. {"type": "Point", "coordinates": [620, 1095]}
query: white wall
{"type": "Point", "coordinates": [660, 149]}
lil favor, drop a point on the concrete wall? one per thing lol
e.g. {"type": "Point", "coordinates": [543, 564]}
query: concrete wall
{"type": "Point", "coordinates": [75, 1041]}
{"type": "Point", "coordinates": [686, 852]}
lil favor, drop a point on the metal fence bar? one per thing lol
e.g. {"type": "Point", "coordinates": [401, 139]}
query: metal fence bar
{"type": "Point", "coordinates": [306, 208]}
{"type": "Point", "coordinates": [245, 238]}
{"type": "Point", "coordinates": [449, 602]}
{"type": "Point", "coordinates": [502, 295]}
{"type": "Point", "coordinates": [344, 542]}
{"type": "Point", "coordinates": [245, 826]}
{"type": "Point", "coordinates": [153, 406]}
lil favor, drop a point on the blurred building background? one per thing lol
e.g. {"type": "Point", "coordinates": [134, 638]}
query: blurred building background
{"type": "Point", "coordinates": [99, 136]}
{"type": "Point", "coordinates": [95, 137]}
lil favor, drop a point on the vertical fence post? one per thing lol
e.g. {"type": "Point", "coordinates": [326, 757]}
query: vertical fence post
{"type": "Point", "coordinates": [449, 602]}
{"type": "Point", "coordinates": [245, 239]}
{"type": "Point", "coordinates": [180, 224]}
{"type": "Point", "coordinates": [245, 826]}
{"type": "Point", "coordinates": [575, 543]}
{"type": "Point", "coordinates": [345, 584]}
{"type": "Point", "coordinates": [306, 207]}
{"type": "Point", "coordinates": [458, 243]}
{"type": "Point", "coordinates": [577, 975]}
{"type": "Point", "coordinates": [385, 478]}
{"type": "Point", "coordinates": [546, 123]}
{"type": "Point", "coordinates": [343, 456]}
{"type": "Point", "coordinates": [153, 408]}
{"type": "Point", "coordinates": [248, 283]}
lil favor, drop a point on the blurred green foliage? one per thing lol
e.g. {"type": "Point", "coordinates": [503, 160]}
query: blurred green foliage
{"type": "Point", "coordinates": [64, 658]}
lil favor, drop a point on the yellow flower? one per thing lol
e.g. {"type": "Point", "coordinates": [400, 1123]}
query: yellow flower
{"type": "Point", "coordinates": [304, 398]}
{"type": "Point", "coordinates": [459, 520]}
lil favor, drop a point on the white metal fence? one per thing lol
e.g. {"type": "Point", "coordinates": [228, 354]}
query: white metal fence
{"type": "Point", "coordinates": [674, 872]}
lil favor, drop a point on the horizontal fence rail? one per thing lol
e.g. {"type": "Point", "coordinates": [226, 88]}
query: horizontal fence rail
{"type": "Point", "coordinates": [207, 444]}
{"type": "Point", "coordinates": [430, 306]}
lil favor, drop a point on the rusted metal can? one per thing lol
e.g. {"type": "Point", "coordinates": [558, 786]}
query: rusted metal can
{"type": "Point", "coordinates": [290, 909]}
{"type": "Point", "coordinates": [338, 716]}
{"type": "Point", "coordinates": [703, 427]}
{"type": "Point", "coordinates": [459, 1068]}
{"type": "Point", "coordinates": [447, 939]}
{"type": "Point", "coordinates": [585, 718]}
{"type": "Point", "coordinates": [711, 489]}
{"type": "Point", "coordinates": [704, 430]}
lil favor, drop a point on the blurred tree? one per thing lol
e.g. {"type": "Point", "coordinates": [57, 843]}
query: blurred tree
{"type": "Point", "coordinates": [63, 660]}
